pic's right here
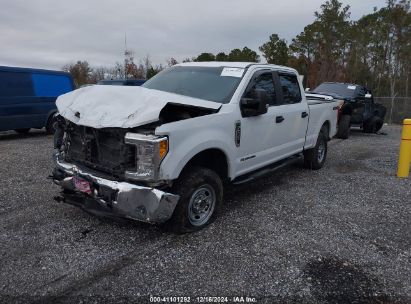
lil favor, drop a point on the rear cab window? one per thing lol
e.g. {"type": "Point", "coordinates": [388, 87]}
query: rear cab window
{"type": "Point", "coordinates": [290, 88]}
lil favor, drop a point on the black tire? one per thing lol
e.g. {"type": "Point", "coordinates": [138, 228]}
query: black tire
{"type": "Point", "coordinates": [344, 127]}
{"type": "Point", "coordinates": [192, 183]}
{"type": "Point", "coordinates": [315, 158]}
{"type": "Point", "coordinates": [373, 125]}
{"type": "Point", "coordinates": [50, 127]}
{"type": "Point", "coordinates": [23, 131]}
{"type": "Point", "coordinates": [381, 112]}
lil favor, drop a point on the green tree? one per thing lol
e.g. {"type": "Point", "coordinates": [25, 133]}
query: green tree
{"type": "Point", "coordinates": [151, 72]}
{"type": "Point", "coordinates": [221, 57]}
{"type": "Point", "coordinates": [275, 50]}
{"type": "Point", "coordinates": [205, 57]}
{"type": "Point", "coordinates": [324, 43]}
{"type": "Point", "coordinates": [305, 44]}
{"type": "Point", "coordinates": [379, 50]}
{"type": "Point", "coordinates": [244, 55]}
{"type": "Point", "coordinates": [332, 38]}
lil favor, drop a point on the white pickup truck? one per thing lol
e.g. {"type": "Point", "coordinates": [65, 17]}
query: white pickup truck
{"type": "Point", "coordinates": [161, 153]}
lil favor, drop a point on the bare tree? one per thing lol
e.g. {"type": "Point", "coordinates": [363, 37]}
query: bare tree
{"type": "Point", "coordinates": [171, 61]}
{"type": "Point", "coordinates": [80, 71]}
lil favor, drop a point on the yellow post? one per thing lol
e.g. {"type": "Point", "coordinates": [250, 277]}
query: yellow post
{"type": "Point", "coordinates": [404, 162]}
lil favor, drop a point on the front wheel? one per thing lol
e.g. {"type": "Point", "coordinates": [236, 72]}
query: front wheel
{"type": "Point", "coordinates": [315, 158]}
{"type": "Point", "coordinates": [373, 125]}
{"type": "Point", "coordinates": [201, 195]}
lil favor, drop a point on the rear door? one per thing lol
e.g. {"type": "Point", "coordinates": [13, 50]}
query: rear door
{"type": "Point", "coordinates": [278, 133]}
{"type": "Point", "coordinates": [295, 113]}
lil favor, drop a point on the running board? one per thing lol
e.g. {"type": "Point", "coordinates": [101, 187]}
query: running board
{"type": "Point", "coordinates": [266, 170]}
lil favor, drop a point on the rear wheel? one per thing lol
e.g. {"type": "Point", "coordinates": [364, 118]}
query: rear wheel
{"type": "Point", "coordinates": [315, 158]}
{"type": "Point", "coordinates": [201, 195]}
{"type": "Point", "coordinates": [23, 131]}
{"type": "Point", "coordinates": [344, 127]}
{"type": "Point", "coordinates": [373, 125]}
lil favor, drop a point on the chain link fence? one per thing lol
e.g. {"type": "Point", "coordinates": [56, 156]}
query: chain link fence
{"type": "Point", "coordinates": [398, 108]}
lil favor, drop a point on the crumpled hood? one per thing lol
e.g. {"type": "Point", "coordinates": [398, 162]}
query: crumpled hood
{"type": "Point", "coordinates": [102, 106]}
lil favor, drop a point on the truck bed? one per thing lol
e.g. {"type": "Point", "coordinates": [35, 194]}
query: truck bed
{"type": "Point", "coordinates": [318, 98]}
{"type": "Point", "coordinates": [322, 108]}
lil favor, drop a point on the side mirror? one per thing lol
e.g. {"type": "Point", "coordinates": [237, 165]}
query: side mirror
{"type": "Point", "coordinates": [368, 96]}
{"type": "Point", "coordinates": [307, 89]}
{"type": "Point", "coordinates": [256, 105]}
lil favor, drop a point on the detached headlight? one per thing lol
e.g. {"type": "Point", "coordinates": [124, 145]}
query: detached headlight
{"type": "Point", "coordinates": [150, 150]}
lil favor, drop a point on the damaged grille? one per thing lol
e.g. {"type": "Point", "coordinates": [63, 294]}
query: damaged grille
{"type": "Point", "coordinates": [100, 149]}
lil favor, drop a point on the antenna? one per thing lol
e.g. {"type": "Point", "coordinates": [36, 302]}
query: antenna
{"type": "Point", "coordinates": [125, 55]}
{"type": "Point", "coordinates": [125, 41]}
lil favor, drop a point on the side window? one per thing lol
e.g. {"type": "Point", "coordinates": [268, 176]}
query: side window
{"type": "Point", "coordinates": [264, 81]}
{"type": "Point", "coordinates": [49, 85]}
{"type": "Point", "coordinates": [290, 88]}
{"type": "Point", "coordinates": [361, 92]}
{"type": "Point", "coordinates": [15, 84]}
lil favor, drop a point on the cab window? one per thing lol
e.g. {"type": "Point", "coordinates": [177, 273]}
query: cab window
{"type": "Point", "coordinates": [361, 92]}
{"type": "Point", "coordinates": [265, 82]}
{"type": "Point", "coordinates": [290, 89]}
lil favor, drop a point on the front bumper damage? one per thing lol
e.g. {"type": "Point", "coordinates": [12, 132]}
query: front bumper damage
{"type": "Point", "coordinates": [113, 198]}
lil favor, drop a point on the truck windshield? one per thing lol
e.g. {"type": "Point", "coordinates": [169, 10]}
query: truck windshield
{"type": "Point", "coordinates": [209, 83]}
{"type": "Point", "coordinates": [336, 89]}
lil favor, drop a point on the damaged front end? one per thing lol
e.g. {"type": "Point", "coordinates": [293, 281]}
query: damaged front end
{"type": "Point", "coordinates": [94, 167]}
{"type": "Point", "coordinates": [108, 156]}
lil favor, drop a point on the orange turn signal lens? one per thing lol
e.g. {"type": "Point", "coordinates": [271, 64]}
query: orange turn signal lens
{"type": "Point", "coordinates": [163, 148]}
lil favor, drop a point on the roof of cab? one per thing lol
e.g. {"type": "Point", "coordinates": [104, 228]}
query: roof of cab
{"type": "Point", "coordinates": [230, 64]}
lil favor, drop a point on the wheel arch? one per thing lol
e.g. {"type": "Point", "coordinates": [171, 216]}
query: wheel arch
{"type": "Point", "coordinates": [327, 124]}
{"type": "Point", "coordinates": [50, 115]}
{"type": "Point", "coordinates": [212, 158]}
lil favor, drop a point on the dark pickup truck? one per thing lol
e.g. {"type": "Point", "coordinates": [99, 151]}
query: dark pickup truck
{"type": "Point", "coordinates": [358, 108]}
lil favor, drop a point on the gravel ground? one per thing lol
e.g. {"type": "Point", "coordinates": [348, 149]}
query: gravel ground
{"type": "Point", "coordinates": [341, 234]}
